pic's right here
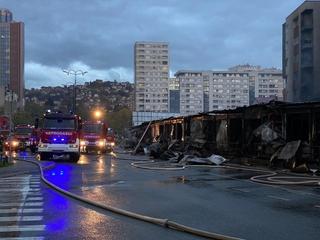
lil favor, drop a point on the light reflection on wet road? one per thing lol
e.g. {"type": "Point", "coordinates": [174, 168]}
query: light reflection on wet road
{"type": "Point", "coordinates": [220, 200]}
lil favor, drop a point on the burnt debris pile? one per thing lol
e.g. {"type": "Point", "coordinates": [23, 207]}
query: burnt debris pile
{"type": "Point", "coordinates": [276, 134]}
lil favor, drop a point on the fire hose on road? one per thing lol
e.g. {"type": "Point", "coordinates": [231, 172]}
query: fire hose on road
{"type": "Point", "coordinates": [158, 221]}
{"type": "Point", "coordinates": [268, 177]}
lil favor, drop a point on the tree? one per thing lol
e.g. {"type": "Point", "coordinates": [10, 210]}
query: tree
{"type": "Point", "coordinates": [22, 118]}
{"type": "Point", "coordinates": [34, 109]}
{"type": "Point", "coordinates": [119, 120]}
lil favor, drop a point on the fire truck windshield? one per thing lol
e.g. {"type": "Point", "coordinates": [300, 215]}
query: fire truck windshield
{"type": "Point", "coordinates": [23, 131]}
{"type": "Point", "coordinates": [92, 128]}
{"type": "Point", "coordinates": [60, 123]}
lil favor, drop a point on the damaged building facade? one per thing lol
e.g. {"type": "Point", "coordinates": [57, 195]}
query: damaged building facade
{"type": "Point", "coordinates": [290, 132]}
{"type": "Point", "coordinates": [301, 53]}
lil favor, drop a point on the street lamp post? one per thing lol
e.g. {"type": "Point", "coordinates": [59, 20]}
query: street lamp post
{"type": "Point", "coordinates": [75, 73]}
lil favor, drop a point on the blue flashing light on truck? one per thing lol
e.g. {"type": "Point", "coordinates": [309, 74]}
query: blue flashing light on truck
{"type": "Point", "coordinates": [59, 135]}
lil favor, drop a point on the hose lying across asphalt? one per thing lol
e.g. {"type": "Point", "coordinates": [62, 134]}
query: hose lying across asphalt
{"type": "Point", "coordinates": [269, 177]}
{"type": "Point", "coordinates": [273, 178]}
{"type": "Point", "coordinates": [158, 221]}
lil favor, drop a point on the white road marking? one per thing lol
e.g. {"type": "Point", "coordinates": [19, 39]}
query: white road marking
{"type": "Point", "coordinates": [317, 206]}
{"type": "Point", "coordinates": [23, 228]}
{"type": "Point", "coordinates": [8, 185]}
{"type": "Point", "coordinates": [4, 183]}
{"type": "Point", "coordinates": [279, 198]}
{"type": "Point", "coordinates": [27, 210]}
{"type": "Point", "coordinates": [24, 178]}
{"type": "Point", "coordinates": [28, 204]}
{"type": "Point", "coordinates": [21, 218]}
{"type": "Point", "coordinates": [34, 199]}
{"type": "Point", "coordinates": [26, 189]}
{"type": "Point", "coordinates": [18, 194]}
{"type": "Point", "coordinates": [23, 238]}
{"type": "Point", "coordinates": [34, 194]}
{"type": "Point", "coordinates": [16, 178]}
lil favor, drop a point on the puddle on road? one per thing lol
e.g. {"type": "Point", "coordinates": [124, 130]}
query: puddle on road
{"type": "Point", "coordinates": [114, 184]}
{"type": "Point", "coordinates": [205, 180]}
{"type": "Point", "coordinates": [195, 182]}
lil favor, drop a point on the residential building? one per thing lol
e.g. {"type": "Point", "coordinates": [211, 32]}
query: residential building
{"type": "Point", "coordinates": [174, 95]}
{"type": "Point", "coordinates": [11, 57]}
{"type": "Point", "coordinates": [269, 85]}
{"type": "Point", "coordinates": [242, 85]}
{"type": "Point", "coordinates": [252, 70]}
{"type": "Point", "coordinates": [151, 76]}
{"type": "Point", "coordinates": [301, 53]}
{"type": "Point", "coordinates": [191, 91]}
{"type": "Point", "coordinates": [265, 84]}
{"type": "Point", "coordinates": [228, 90]}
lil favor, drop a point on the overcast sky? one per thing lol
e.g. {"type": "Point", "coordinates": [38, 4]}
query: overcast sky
{"type": "Point", "coordinates": [98, 35]}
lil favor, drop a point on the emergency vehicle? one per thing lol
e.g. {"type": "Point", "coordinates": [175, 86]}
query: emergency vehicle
{"type": "Point", "coordinates": [59, 135]}
{"type": "Point", "coordinates": [110, 140]}
{"type": "Point", "coordinates": [4, 126]}
{"type": "Point", "coordinates": [24, 135]}
{"type": "Point", "coordinates": [94, 137]}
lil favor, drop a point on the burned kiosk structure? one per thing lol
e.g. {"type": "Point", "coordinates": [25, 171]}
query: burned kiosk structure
{"type": "Point", "coordinates": [260, 133]}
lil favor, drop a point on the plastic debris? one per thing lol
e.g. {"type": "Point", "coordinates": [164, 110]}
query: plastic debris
{"type": "Point", "coordinates": [212, 160]}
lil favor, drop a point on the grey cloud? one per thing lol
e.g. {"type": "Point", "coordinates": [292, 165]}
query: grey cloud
{"type": "Point", "coordinates": [202, 34]}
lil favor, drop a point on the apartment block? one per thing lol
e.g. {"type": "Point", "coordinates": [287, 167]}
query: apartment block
{"type": "Point", "coordinates": [242, 85]}
{"type": "Point", "coordinates": [191, 91]}
{"type": "Point", "coordinates": [301, 53]}
{"type": "Point", "coordinates": [228, 90]}
{"type": "Point", "coordinates": [265, 84]}
{"type": "Point", "coordinates": [269, 85]}
{"type": "Point", "coordinates": [11, 57]}
{"type": "Point", "coordinates": [174, 95]}
{"type": "Point", "coordinates": [151, 76]}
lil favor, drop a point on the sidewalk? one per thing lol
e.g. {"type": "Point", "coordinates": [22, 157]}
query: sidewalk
{"type": "Point", "coordinates": [18, 168]}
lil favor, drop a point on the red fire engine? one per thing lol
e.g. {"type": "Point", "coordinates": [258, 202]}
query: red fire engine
{"type": "Point", "coordinates": [24, 134]}
{"type": "Point", "coordinates": [59, 135]}
{"type": "Point", "coordinates": [95, 137]}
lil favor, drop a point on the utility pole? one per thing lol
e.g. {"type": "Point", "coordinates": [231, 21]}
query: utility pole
{"type": "Point", "coordinates": [75, 73]}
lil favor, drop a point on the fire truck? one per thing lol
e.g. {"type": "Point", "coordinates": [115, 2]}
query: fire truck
{"type": "Point", "coordinates": [59, 135]}
{"type": "Point", "coordinates": [94, 137]}
{"type": "Point", "coordinates": [4, 126]}
{"type": "Point", "coordinates": [110, 140]}
{"type": "Point", "coordinates": [24, 135]}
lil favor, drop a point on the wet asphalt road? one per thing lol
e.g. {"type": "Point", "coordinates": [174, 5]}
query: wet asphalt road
{"type": "Point", "coordinates": [218, 200]}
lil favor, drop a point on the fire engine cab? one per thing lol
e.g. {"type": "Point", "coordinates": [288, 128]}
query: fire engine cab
{"type": "Point", "coordinates": [59, 135]}
{"type": "Point", "coordinates": [24, 136]}
{"type": "Point", "coordinates": [93, 137]}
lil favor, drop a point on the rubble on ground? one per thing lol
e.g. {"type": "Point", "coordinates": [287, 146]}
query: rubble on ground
{"type": "Point", "coordinates": [276, 134]}
{"type": "Point", "coordinates": [193, 160]}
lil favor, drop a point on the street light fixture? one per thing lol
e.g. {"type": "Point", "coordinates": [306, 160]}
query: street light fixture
{"type": "Point", "coordinates": [75, 73]}
{"type": "Point", "coordinates": [97, 114]}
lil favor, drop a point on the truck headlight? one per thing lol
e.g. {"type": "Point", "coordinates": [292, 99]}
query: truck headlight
{"type": "Point", "coordinates": [82, 143]}
{"type": "Point", "coordinates": [112, 144]}
{"type": "Point", "coordinates": [101, 143]}
{"type": "Point", "coordinates": [15, 143]}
